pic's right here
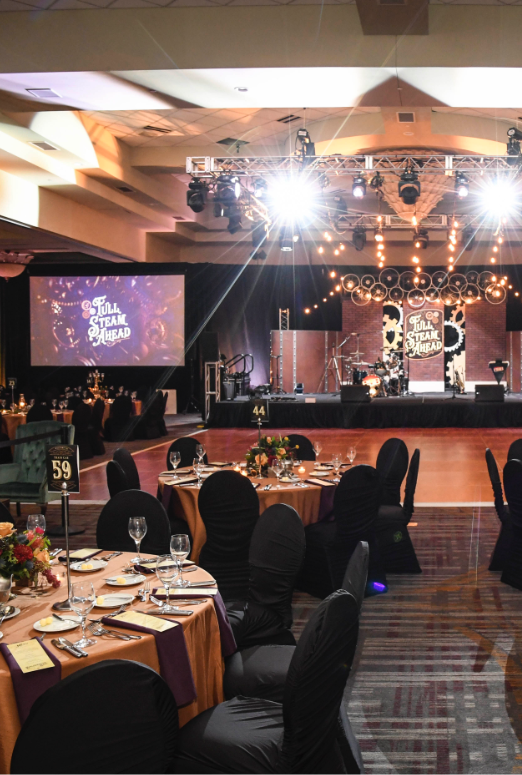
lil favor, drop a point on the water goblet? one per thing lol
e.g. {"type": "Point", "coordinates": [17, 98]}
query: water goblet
{"type": "Point", "coordinates": [179, 549]}
{"type": "Point", "coordinates": [166, 571]}
{"type": "Point", "coordinates": [5, 592]}
{"type": "Point", "coordinates": [175, 460]}
{"type": "Point", "coordinates": [55, 403]}
{"type": "Point", "coordinates": [317, 449]}
{"type": "Point", "coordinates": [200, 451]}
{"type": "Point", "coordinates": [351, 454]}
{"type": "Point", "coordinates": [34, 521]}
{"type": "Point", "coordinates": [197, 465]}
{"type": "Point", "coordinates": [337, 460]}
{"type": "Point", "coordinates": [278, 469]}
{"type": "Point", "coordinates": [82, 602]}
{"type": "Point", "coordinates": [138, 531]}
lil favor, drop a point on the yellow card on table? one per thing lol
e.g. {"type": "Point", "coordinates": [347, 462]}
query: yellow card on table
{"type": "Point", "coordinates": [144, 620]}
{"type": "Point", "coordinates": [30, 656]}
{"type": "Point", "coordinates": [80, 554]}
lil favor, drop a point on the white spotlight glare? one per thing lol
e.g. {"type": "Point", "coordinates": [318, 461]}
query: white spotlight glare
{"type": "Point", "coordinates": [293, 200]}
{"type": "Point", "coordinates": [501, 197]}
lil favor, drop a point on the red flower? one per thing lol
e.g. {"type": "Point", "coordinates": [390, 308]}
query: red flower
{"type": "Point", "coordinates": [23, 553]}
{"type": "Point", "coordinates": [39, 531]}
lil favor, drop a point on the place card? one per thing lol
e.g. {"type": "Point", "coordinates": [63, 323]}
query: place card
{"type": "Point", "coordinates": [193, 591]}
{"type": "Point", "coordinates": [30, 656]}
{"type": "Point", "coordinates": [144, 620]}
{"type": "Point", "coordinates": [84, 554]}
{"type": "Point", "coordinates": [320, 483]}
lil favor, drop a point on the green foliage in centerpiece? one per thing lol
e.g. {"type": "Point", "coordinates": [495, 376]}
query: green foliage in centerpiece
{"type": "Point", "coordinates": [25, 555]}
{"type": "Point", "coordinates": [266, 450]}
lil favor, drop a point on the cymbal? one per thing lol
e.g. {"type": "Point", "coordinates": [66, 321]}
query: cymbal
{"type": "Point", "coordinates": [362, 363]}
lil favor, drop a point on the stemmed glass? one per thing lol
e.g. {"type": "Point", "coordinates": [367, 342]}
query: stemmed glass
{"type": "Point", "coordinates": [138, 531]}
{"type": "Point", "coordinates": [34, 521]}
{"type": "Point", "coordinates": [55, 402]}
{"type": "Point", "coordinates": [200, 452]}
{"type": "Point", "coordinates": [179, 549]}
{"type": "Point", "coordinates": [198, 468]}
{"type": "Point", "coordinates": [5, 592]}
{"type": "Point", "coordinates": [337, 460]}
{"type": "Point", "coordinates": [351, 454]}
{"type": "Point", "coordinates": [175, 460]}
{"type": "Point", "coordinates": [166, 571]}
{"type": "Point", "coordinates": [317, 449]}
{"type": "Point", "coordinates": [82, 602]}
{"type": "Point", "coordinates": [277, 468]}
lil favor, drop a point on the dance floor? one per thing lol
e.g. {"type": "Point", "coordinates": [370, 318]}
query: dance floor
{"type": "Point", "coordinates": [452, 465]}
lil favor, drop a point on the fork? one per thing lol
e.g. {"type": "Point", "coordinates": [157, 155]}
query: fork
{"type": "Point", "coordinates": [98, 629]}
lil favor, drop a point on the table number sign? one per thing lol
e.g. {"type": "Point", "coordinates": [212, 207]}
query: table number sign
{"type": "Point", "coordinates": [259, 410]}
{"type": "Point", "coordinates": [30, 656]}
{"type": "Point", "coordinates": [63, 466]}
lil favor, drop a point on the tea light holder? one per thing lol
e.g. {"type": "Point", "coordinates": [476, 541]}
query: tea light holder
{"type": "Point", "coordinates": [301, 470]}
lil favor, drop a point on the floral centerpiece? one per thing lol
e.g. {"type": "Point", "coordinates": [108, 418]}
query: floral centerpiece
{"type": "Point", "coordinates": [267, 450]}
{"type": "Point", "coordinates": [25, 555]}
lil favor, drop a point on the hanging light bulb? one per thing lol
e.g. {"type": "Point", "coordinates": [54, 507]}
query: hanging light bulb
{"type": "Point", "coordinates": [337, 288]}
{"type": "Point", "coordinates": [493, 260]}
{"type": "Point", "coordinates": [333, 274]}
{"type": "Point", "coordinates": [336, 252]}
{"type": "Point", "coordinates": [415, 260]}
{"type": "Point", "coordinates": [320, 249]}
{"type": "Point", "coordinates": [495, 249]}
{"type": "Point", "coordinates": [307, 310]}
{"type": "Point", "coordinates": [316, 306]}
{"type": "Point", "coordinates": [341, 246]}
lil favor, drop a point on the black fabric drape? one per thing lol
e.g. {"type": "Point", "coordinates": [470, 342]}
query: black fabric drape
{"type": "Point", "coordinates": [112, 530]}
{"type": "Point", "coordinates": [392, 464]}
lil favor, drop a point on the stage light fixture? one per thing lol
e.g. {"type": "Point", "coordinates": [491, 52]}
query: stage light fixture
{"type": "Point", "coordinates": [259, 236]}
{"type": "Point", "coordinates": [286, 242]}
{"type": "Point", "coordinates": [307, 146]}
{"type": "Point", "coordinates": [359, 187]}
{"type": "Point", "coordinates": [409, 187]}
{"type": "Point", "coordinates": [228, 189]}
{"type": "Point", "coordinates": [233, 214]}
{"type": "Point", "coordinates": [293, 199]}
{"type": "Point", "coordinates": [513, 146]}
{"type": "Point", "coordinates": [260, 188]}
{"type": "Point", "coordinates": [461, 186]}
{"type": "Point", "coordinates": [197, 195]}
{"type": "Point", "coordinates": [500, 197]}
{"type": "Point", "coordinates": [421, 239]}
{"type": "Point", "coordinates": [377, 181]}
{"type": "Point", "coordinates": [359, 238]}
{"type": "Point", "coordinates": [468, 237]}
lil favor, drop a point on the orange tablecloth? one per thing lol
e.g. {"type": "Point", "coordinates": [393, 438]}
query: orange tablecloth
{"type": "Point", "coordinates": [10, 423]}
{"type": "Point", "coordinates": [184, 503]}
{"type": "Point", "coordinates": [201, 632]}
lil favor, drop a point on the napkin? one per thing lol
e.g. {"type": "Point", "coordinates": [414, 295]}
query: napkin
{"type": "Point", "coordinates": [172, 656]}
{"type": "Point", "coordinates": [320, 482]}
{"type": "Point", "coordinates": [81, 554]}
{"type": "Point", "coordinates": [220, 465]}
{"type": "Point", "coordinates": [29, 686]}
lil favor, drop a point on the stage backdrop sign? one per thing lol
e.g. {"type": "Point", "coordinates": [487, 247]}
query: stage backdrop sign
{"type": "Point", "coordinates": [423, 336]}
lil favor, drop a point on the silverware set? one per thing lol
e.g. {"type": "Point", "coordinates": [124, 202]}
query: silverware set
{"type": "Point", "coordinates": [98, 629]}
{"type": "Point", "coordinates": [66, 645]}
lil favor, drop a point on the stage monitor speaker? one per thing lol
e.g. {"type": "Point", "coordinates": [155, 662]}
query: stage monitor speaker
{"type": "Point", "coordinates": [490, 393]}
{"type": "Point", "coordinates": [359, 394]}
{"type": "Point", "coordinates": [209, 347]}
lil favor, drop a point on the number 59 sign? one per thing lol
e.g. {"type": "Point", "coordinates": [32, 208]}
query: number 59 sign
{"type": "Point", "coordinates": [63, 464]}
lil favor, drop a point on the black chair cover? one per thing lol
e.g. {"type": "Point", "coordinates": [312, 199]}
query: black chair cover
{"type": "Point", "coordinates": [5, 514]}
{"type": "Point", "coordinates": [112, 530]}
{"type": "Point", "coordinates": [5, 452]}
{"type": "Point", "coordinates": [253, 735]}
{"type": "Point", "coordinates": [306, 448]}
{"type": "Point", "coordinates": [276, 554]}
{"type": "Point", "coordinates": [515, 450]}
{"type": "Point", "coordinates": [116, 479]}
{"type": "Point", "coordinates": [151, 424]}
{"type": "Point", "coordinates": [81, 420]}
{"type": "Point", "coordinates": [356, 574]}
{"type": "Point", "coordinates": [392, 464]}
{"type": "Point", "coordinates": [118, 425]}
{"type": "Point", "coordinates": [512, 571]}
{"type": "Point", "coordinates": [411, 485]}
{"type": "Point", "coordinates": [329, 545]}
{"type": "Point", "coordinates": [186, 446]}
{"type": "Point", "coordinates": [502, 546]}
{"type": "Point", "coordinates": [96, 427]}
{"type": "Point", "coordinates": [126, 461]}
{"type": "Point", "coordinates": [116, 716]}
{"type": "Point", "coordinates": [39, 413]}
{"type": "Point", "coordinates": [229, 508]}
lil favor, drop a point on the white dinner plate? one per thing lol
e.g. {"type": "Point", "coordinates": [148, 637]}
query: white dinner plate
{"type": "Point", "coordinates": [130, 579]}
{"type": "Point", "coordinates": [12, 615]}
{"type": "Point", "coordinates": [318, 473]}
{"type": "Point", "coordinates": [323, 468]}
{"type": "Point", "coordinates": [113, 601]}
{"type": "Point", "coordinates": [96, 565]}
{"type": "Point", "coordinates": [58, 626]}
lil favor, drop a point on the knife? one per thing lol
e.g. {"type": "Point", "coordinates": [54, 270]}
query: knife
{"type": "Point", "coordinates": [68, 643]}
{"type": "Point", "coordinates": [61, 646]}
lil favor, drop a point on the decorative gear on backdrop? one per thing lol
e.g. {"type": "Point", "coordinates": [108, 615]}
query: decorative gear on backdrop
{"type": "Point", "coordinates": [459, 333]}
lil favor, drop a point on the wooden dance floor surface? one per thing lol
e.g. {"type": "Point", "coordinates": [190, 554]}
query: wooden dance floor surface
{"type": "Point", "coordinates": [452, 464]}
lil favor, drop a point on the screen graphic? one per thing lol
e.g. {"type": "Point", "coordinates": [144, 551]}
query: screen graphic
{"type": "Point", "coordinates": [108, 321]}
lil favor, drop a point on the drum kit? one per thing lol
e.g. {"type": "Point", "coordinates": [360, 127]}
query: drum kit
{"type": "Point", "coordinates": [385, 377]}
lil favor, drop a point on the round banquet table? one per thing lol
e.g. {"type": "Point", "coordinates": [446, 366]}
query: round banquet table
{"type": "Point", "coordinates": [10, 423]}
{"type": "Point", "coordinates": [309, 502]}
{"type": "Point", "coordinates": [201, 631]}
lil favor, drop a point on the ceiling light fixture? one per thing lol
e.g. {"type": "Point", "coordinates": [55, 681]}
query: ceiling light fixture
{"type": "Point", "coordinates": [461, 186]}
{"type": "Point", "coordinates": [359, 187]}
{"type": "Point", "coordinates": [421, 239]}
{"type": "Point", "coordinates": [409, 187]}
{"type": "Point", "coordinates": [359, 238]}
{"type": "Point", "coordinates": [197, 195]}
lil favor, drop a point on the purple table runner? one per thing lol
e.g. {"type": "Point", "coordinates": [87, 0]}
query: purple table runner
{"type": "Point", "coordinates": [29, 686]}
{"type": "Point", "coordinates": [172, 656]}
{"type": "Point", "coordinates": [327, 499]}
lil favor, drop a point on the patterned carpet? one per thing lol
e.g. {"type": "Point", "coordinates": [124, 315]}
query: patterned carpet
{"type": "Point", "coordinates": [437, 682]}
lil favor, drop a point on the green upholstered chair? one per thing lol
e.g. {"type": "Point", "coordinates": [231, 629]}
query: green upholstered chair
{"type": "Point", "coordinates": [25, 480]}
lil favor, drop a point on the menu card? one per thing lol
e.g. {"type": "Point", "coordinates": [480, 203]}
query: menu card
{"type": "Point", "coordinates": [30, 656]}
{"type": "Point", "coordinates": [321, 482]}
{"type": "Point", "coordinates": [83, 554]}
{"type": "Point", "coordinates": [145, 620]}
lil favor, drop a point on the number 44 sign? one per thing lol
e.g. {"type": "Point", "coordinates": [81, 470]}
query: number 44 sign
{"type": "Point", "coordinates": [259, 410]}
{"type": "Point", "coordinates": [63, 465]}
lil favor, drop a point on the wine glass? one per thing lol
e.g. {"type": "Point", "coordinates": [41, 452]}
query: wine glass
{"type": "Point", "coordinates": [351, 454]}
{"type": "Point", "coordinates": [277, 468]}
{"type": "Point", "coordinates": [317, 449]}
{"type": "Point", "coordinates": [166, 571]}
{"type": "Point", "coordinates": [200, 452]}
{"type": "Point", "coordinates": [179, 549]}
{"type": "Point", "coordinates": [138, 531]}
{"type": "Point", "coordinates": [61, 405]}
{"type": "Point", "coordinates": [337, 460]}
{"type": "Point", "coordinates": [5, 593]}
{"type": "Point", "coordinates": [197, 465]}
{"type": "Point", "coordinates": [55, 402]}
{"type": "Point", "coordinates": [82, 602]}
{"type": "Point", "coordinates": [34, 521]}
{"type": "Point", "coordinates": [175, 460]}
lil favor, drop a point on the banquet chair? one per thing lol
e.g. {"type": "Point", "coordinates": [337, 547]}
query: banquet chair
{"type": "Point", "coordinates": [229, 507]}
{"type": "Point", "coordinates": [306, 448]}
{"type": "Point", "coordinates": [25, 480]}
{"type": "Point", "coordinates": [151, 424]}
{"type": "Point", "coordinates": [116, 716]}
{"type": "Point", "coordinates": [329, 545]}
{"type": "Point", "coordinates": [96, 427]}
{"type": "Point", "coordinates": [186, 446]}
{"type": "Point", "coordinates": [116, 478]}
{"type": "Point", "coordinates": [276, 554]}
{"type": "Point", "coordinates": [260, 671]}
{"type": "Point", "coordinates": [112, 530]}
{"type": "Point", "coordinates": [5, 514]}
{"type": "Point", "coordinates": [81, 420]}
{"type": "Point", "coordinates": [118, 424]}
{"type": "Point", "coordinates": [512, 570]}
{"type": "Point", "coordinates": [515, 450]}
{"type": "Point", "coordinates": [126, 461]}
{"type": "Point", "coordinates": [501, 549]}
{"type": "Point", "coordinates": [300, 734]}
{"type": "Point", "coordinates": [5, 452]}
{"type": "Point", "coordinates": [391, 528]}
{"type": "Point", "coordinates": [392, 464]}
{"type": "Point", "coordinates": [39, 413]}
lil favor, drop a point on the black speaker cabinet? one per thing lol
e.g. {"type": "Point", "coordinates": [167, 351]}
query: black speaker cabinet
{"type": "Point", "coordinates": [490, 393]}
{"type": "Point", "coordinates": [208, 347]}
{"type": "Point", "coordinates": [359, 394]}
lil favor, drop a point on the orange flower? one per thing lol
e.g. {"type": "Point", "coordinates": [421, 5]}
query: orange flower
{"type": "Point", "coordinates": [6, 529]}
{"type": "Point", "coordinates": [42, 556]}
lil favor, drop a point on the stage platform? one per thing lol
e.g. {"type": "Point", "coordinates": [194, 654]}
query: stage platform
{"type": "Point", "coordinates": [423, 410]}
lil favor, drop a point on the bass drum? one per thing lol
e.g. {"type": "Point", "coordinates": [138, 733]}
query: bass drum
{"type": "Point", "coordinates": [358, 376]}
{"type": "Point", "coordinates": [373, 382]}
